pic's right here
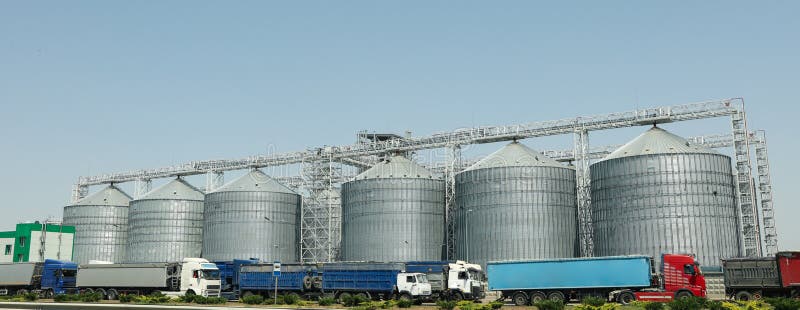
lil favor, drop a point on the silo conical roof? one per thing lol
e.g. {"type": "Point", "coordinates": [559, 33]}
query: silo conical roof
{"type": "Point", "coordinates": [658, 141]}
{"type": "Point", "coordinates": [255, 181]}
{"type": "Point", "coordinates": [109, 196]}
{"type": "Point", "coordinates": [515, 154]}
{"type": "Point", "coordinates": [177, 189]}
{"type": "Point", "coordinates": [396, 167]}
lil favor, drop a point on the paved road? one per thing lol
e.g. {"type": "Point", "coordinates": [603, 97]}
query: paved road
{"type": "Point", "coordinates": [77, 306]}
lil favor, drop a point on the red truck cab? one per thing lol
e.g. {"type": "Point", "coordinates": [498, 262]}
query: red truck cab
{"type": "Point", "coordinates": [680, 277]}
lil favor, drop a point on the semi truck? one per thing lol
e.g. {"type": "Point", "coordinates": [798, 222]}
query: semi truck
{"type": "Point", "coordinates": [452, 280]}
{"type": "Point", "coordinates": [46, 278]}
{"type": "Point", "coordinates": [339, 280]}
{"type": "Point", "coordinates": [754, 278]}
{"type": "Point", "coordinates": [229, 276]}
{"type": "Point", "coordinates": [618, 278]}
{"type": "Point", "coordinates": [192, 276]}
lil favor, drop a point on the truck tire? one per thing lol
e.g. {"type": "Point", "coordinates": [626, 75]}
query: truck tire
{"type": "Point", "coordinates": [343, 296]}
{"type": "Point", "coordinates": [626, 298]}
{"type": "Point", "coordinates": [362, 295]}
{"type": "Point", "coordinates": [247, 294]}
{"type": "Point", "coordinates": [457, 297]}
{"type": "Point", "coordinates": [21, 291]}
{"type": "Point", "coordinates": [405, 296]}
{"type": "Point", "coordinates": [795, 294]}
{"type": "Point", "coordinates": [743, 296]}
{"type": "Point", "coordinates": [537, 297]}
{"type": "Point", "coordinates": [520, 299]}
{"type": "Point", "coordinates": [683, 295]}
{"type": "Point", "coordinates": [112, 294]}
{"type": "Point", "coordinates": [48, 294]}
{"type": "Point", "coordinates": [556, 296]}
{"type": "Point", "coordinates": [102, 293]}
{"type": "Point", "coordinates": [190, 293]}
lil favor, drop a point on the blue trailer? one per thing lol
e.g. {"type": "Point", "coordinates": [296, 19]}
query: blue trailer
{"type": "Point", "coordinates": [373, 281]}
{"type": "Point", "coordinates": [47, 278]}
{"type": "Point", "coordinates": [621, 278]}
{"type": "Point", "coordinates": [258, 279]}
{"type": "Point", "coordinates": [229, 276]}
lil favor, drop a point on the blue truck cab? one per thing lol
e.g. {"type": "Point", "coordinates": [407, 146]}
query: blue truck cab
{"type": "Point", "coordinates": [229, 276]}
{"type": "Point", "coordinates": [58, 277]}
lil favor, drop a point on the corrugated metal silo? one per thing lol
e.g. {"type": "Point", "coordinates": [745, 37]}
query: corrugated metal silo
{"type": "Point", "coordinates": [394, 211]}
{"type": "Point", "coordinates": [166, 224]}
{"type": "Point", "coordinates": [658, 194]}
{"type": "Point", "coordinates": [515, 204]}
{"type": "Point", "coordinates": [101, 226]}
{"type": "Point", "coordinates": [252, 217]}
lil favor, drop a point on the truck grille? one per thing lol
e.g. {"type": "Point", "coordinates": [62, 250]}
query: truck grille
{"type": "Point", "coordinates": [213, 287]}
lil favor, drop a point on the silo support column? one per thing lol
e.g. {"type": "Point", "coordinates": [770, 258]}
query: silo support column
{"type": "Point", "coordinates": [583, 179]}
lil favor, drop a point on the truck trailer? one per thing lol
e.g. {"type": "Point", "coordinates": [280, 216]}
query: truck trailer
{"type": "Point", "coordinates": [193, 276]}
{"type": "Point", "coordinates": [620, 278]}
{"type": "Point", "coordinates": [46, 278]}
{"type": "Point", "coordinates": [338, 280]}
{"type": "Point", "coordinates": [452, 280]}
{"type": "Point", "coordinates": [754, 278]}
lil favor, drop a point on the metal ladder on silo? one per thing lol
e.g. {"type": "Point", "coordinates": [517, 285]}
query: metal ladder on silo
{"type": "Point", "coordinates": [765, 190]}
{"type": "Point", "coordinates": [749, 225]}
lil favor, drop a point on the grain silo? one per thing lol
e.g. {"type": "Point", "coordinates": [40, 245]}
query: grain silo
{"type": "Point", "coordinates": [101, 226]}
{"type": "Point", "coordinates": [252, 217]}
{"type": "Point", "coordinates": [515, 204]}
{"type": "Point", "coordinates": [166, 224]}
{"type": "Point", "coordinates": [394, 211]}
{"type": "Point", "coordinates": [659, 194]}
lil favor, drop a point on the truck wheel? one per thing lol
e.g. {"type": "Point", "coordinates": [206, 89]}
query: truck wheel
{"type": "Point", "coordinates": [537, 297]}
{"type": "Point", "coordinates": [112, 294]}
{"type": "Point", "coordinates": [343, 296]}
{"type": "Point", "coordinates": [683, 295]}
{"type": "Point", "coordinates": [744, 296]}
{"type": "Point", "coordinates": [795, 294]}
{"type": "Point", "coordinates": [190, 293]}
{"type": "Point", "coordinates": [556, 296]}
{"type": "Point", "coordinates": [520, 299]}
{"type": "Point", "coordinates": [247, 294]}
{"type": "Point", "coordinates": [48, 294]}
{"type": "Point", "coordinates": [102, 293]}
{"type": "Point", "coordinates": [22, 291]}
{"type": "Point", "coordinates": [456, 297]}
{"type": "Point", "coordinates": [362, 296]}
{"type": "Point", "coordinates": [626, 298]}
{"type": "Point", "coordinates": [405, 296]}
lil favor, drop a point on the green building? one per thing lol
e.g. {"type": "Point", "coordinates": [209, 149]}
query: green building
{"type": "Point", "coordinates": [35, 242]}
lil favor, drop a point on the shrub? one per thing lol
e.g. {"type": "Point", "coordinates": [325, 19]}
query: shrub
{"type": "Point", "coordinates": [186, 298]}
{"type": "Point", "coordinates": [593, 301]}
{"type": "Point", "coordinates": [353, 300]}
{"type": "Point", "coordinates": [466, 305]}
{"type": "Point", "coordinates": [405, 303]}
{"type": "Point", "coordinates": [291, 299]}
{"type": "Point", "coordinates": [326, 301]}
{"type": "Point", "coordinates": [389, 304]}
{"type": "Point", "coordinates": [714, 305]}
{"type": "Point", "coordinates": [496, 305]}
{"type": "Point", "coordinates": [31, 296]}
{"type": "Point", "coordinates": [689, 303]}
{"type": "Point", "coordinates": [90, 297]}
{"type": "Point", "coordinates": [253, 299]}
{"type": "Point", "coordinates": [653, 306]}
{"type": "Point", "coordinates": [608, 306]}
{"type": "Point", "coordinates": [446, 304]}
{"type": "Point", "coordinates": [783, 303]}
{"type": "Point", "coordinates": [549, 305]}
{"type": "Point", "coordinates": [125, 298]}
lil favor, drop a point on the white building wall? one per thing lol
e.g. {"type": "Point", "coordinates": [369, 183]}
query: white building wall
{"type": "Point", "coordinates": [54, 248]}
{"type": "Point", "coordinates": [3, 257]}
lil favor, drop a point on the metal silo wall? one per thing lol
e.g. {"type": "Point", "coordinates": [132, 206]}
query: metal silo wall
{"type": "Point", "coordinates": [249, 224]}
{"type": "Point", "coordinates": [164, 230]}
{"type": "Point", "coordinates": [392, 219]}
{"type": "Point", "coordinates": [101, 232]}
{"type": "Point", "coordinates": [666, 203]}
{"type": "Point", "coordinates": [517, 213]}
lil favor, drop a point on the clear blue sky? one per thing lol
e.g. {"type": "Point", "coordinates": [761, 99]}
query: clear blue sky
{"type": "Point", "coordinates": [89, 87]}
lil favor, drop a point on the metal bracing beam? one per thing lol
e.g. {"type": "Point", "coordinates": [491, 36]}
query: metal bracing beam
{"type": "Point", "coordinates": [583, 191]}
{"type": "Point", "coordinates": [142, 187]}
{"type": "Point", "coordinates": [214, 180]}
{"type": "Point", "coordinates": [451, 167]}
{"type": "Point", "coordinates": [765, 190]}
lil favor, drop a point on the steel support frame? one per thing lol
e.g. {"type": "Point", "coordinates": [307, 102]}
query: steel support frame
{"type": "Point", "coordinates": [583, 191]}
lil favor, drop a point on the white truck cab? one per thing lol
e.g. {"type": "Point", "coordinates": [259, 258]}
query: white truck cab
{"type": "Point", "coordinates": [200, 277]}
{"type": "Point", "coordinates": [466, 279]}
{"type": "Point", "coordinates": [415, 285]}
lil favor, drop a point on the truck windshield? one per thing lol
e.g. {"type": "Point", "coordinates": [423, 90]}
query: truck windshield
{"type": "Point", "coordinates": [421, 278]}
{"type": "Point", "coordinates": [474, 275]}
{"type": "Point", "coordinates": [68, 273]}
{"type": "Point", "coordinates": [210, 274]}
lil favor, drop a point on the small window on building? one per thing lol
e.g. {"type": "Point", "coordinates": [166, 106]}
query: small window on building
{"type": "Point", "coordinates": [22, 242]}
{"type": "Point", "coordinates": [8, 249]}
